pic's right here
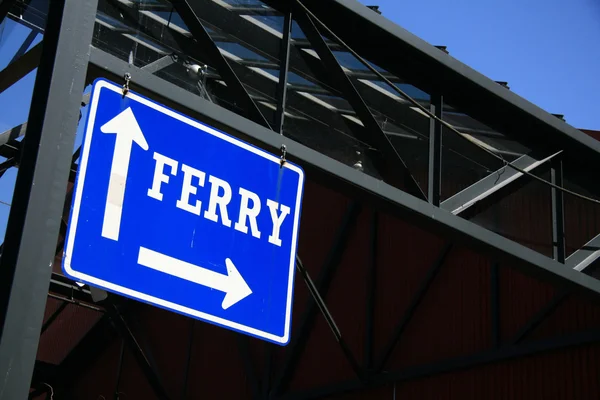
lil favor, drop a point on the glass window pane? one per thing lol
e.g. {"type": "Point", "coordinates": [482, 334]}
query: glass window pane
{"type": "Point", "coordinates": [324, 120]}
{"type": "Point", "coordinates": [30, 13]}
{"type": "Point", "coordinates": [463, 159]}
{"type": "Point", "coordinates": [251, 42]}
{"type": "Point", "coordinates": [406, 126]}
{"type": "Point", "coordinates": [161, 43]}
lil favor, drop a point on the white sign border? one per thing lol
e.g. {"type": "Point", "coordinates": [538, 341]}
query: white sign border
{"type": "Point", "coordinates": [98, 85]}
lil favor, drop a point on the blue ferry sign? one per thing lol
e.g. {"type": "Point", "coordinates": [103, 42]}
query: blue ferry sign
{"type": "Point", "coordinates": [176, 213]}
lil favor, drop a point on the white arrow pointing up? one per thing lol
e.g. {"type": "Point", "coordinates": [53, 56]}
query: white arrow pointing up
{"type": "Point", "coordinates": [127, 131]}
{"type": "Point", "coordinates": [234, 286]}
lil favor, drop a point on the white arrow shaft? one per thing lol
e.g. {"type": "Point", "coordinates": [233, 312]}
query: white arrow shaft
{"type": "Point", "coordinates": [181, 269]}
{"type": "Point", "coordinates": [116, 187]}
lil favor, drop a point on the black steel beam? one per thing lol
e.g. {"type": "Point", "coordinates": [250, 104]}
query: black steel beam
{"type": "Point", "coordinates": [282, 86]}
{"type": "Point", "coordinates": [412, 307]}
{"type": "Point", "coordinates": [435, 151]}
{"type": "Point", "coordinates": [396, 166]}
{"type": "Point", "coordinates": [326, 274]}
{"type": "Point", "coordinates": [558, 211]}
{"type": "Point", "coordinates": [22, 66]}
{"type": "Point", "coordinates": [492, 183]}
{"type": "Point", "coordinates": [348, 180]}
{"type": "Point", "coordinates": [33, 223]}
{"type": "Point", "coordinates": [504, 353]}
{"type": "Point", "coordinates": [190, 12]}
{"type": "Point", "coordinates": [11, 149]}
{"type": "Point", "coordinates": [6, 165]}
{"type": "Point", "coordinates": [13, 133]}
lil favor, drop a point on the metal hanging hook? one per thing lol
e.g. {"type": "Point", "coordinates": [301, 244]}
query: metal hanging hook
{"type": "Point", "coordinates": [283, 154]}
{"type": "Point", "coordinates": [126, 85]}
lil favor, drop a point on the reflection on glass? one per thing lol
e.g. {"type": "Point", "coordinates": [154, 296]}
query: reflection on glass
{"type": "Point", "coordinates": [251, 43]}
{"type": "Point", "coordinates": [406, 126]}
{"type": "Point", "coordinates": [248, 35]}
{"type": "Point", "coordinates": [463, 164]}
{"type": "Point", "coordinates": [320, 118]}
{"type": "Point", "coordinates": [24, 22]}
{"type": "Point", "coordinates": [30, 13]}
{"type": "Point", "coordinates": [482, 135]}
{"type": "Point", "coordinates": [158, 41]}
{"type": "Point", "coordinates": [464, 159]}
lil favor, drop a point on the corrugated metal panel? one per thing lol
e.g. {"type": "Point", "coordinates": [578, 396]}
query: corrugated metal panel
{"type": "Point", "coordinates": [101, 378]}
{"type": "Point", "coordinates": [453, 319]}
{"type": "Point", "coordinates": [65, 332]}
{"type": "Point", "coordinates": [563, 375]}
{"type": "Point", "coordinates": [574, 314]}
{"type": "Point", "coordinates": [404, 253]}
{"type": "Point", "coordinates": [568, 374]}
{"type": "Point", "coordinates": [521, 297]}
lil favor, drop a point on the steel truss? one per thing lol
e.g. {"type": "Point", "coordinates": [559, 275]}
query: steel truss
{"type": "Point", "coordinates": [68, 38]}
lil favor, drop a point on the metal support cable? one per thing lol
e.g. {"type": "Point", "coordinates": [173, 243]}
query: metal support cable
{"type": "Point", "coordinates": [188, 360]}
{"type": "Point", "coordinates": [331, 263]}
{"type": "Point", "coordinates": [349, 91]}
{"type": "Point", "coordinates": [431, 115]}
{"type": "Point", "coordinates": [328, 317]}
{"type": "Point", "coordinates": [190, 13]}
{"type": "Point", "coordinates": [141, 357]}
{"type": "Point", "coordinates": [119, 369]}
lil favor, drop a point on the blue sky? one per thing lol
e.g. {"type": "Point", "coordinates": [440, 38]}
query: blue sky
{"type": "Point", "coordinates": [547, 50]}
{"type": "Point", "coordinates": [14, 104]}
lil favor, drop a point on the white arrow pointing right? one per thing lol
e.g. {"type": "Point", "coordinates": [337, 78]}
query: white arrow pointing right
{"type": "Point", "coordinates": [234, 286]}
